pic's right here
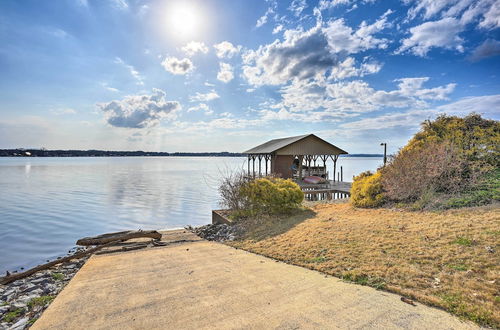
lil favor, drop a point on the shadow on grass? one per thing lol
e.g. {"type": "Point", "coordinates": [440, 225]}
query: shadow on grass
{"type": "Point", "coordinates": [265, 226]}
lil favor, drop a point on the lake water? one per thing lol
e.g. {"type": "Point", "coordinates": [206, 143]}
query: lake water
{"type": "Point", "coordinates": [46, 204]}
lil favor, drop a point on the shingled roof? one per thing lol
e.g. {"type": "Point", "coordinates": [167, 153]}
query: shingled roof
{"type": "Point", "coordinates": [274, 146]}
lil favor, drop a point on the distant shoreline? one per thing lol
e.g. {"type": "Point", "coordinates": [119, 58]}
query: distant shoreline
{"type": "Point", "coordinates": [109, 153]}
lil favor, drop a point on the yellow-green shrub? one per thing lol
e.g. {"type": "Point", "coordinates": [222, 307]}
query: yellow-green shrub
{"type": "Point", "coordinates": [366, 190]}
{"type": "Point", "coordinates": [272, 195]}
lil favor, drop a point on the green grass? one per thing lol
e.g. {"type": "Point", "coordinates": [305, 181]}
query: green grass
{"type": "Point", "coordinates": [362, 279]}
{"type": "Point", "coordinates": [40, 301]}
{"type": "Point", "coordinates": [12, 315]}
{"type": "Point", "coordinates": [57, 276]}
{"type": "Point", "coordinates": [31, 321]}
{"type": "Point", "coordinates": [460, 267]}
{"type": "Point", "coordinates": [487, 191]}
{"type": "Point", "coordinates": [455, 303]}
{"type": "Point", "coordinates": [462, 241]}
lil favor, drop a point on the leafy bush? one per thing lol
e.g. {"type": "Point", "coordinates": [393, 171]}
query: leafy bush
{"type": "Point", "coordinates": [475, 138]}
{"type": "Point", "coordinates": [366, 190]}
{"type": "Point", "coordinates": [271, 195]}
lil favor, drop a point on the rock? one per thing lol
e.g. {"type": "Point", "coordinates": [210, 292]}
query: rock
{"type": "Point", "coordinates": [489, 249]}
{"type": "Point", "coordinates": [20, 324]}
{"type": "Point", "coordinates": [4, 309]}
{"type": "Point", "coordinates": [31, 287]}
{"type": "Point", "coordinates": [219, 232]}
{"type": "Point", "coordinates": [19, 304]}
{"type": "Point", "coordinates": [9, 294]}
{"type": "Point", "coordinates": [41, 281]}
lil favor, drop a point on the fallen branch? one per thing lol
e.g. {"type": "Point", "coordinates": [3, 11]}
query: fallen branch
{"type": "Point", "coordinates": [132, 247]}
{"type": "Point", "coordinates": [408, 301]}
{"type": "Point", "coordinates": [118, 236]}
{"type": "Point", "coordinates": [16, 276]}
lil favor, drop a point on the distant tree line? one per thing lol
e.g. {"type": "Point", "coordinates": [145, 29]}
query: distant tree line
{"type": "Point", "coordinates": [20, 152]}
{"type": "Point", "coordinates": [105, 153]}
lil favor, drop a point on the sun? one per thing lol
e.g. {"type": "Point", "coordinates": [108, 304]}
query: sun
{"type": "Point", "coordinates": [183, 19]}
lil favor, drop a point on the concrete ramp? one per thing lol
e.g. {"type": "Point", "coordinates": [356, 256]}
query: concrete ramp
{"type": "Point", "coordinates": [196, 284]}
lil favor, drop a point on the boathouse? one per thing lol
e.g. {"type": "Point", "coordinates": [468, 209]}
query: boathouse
{"type": "Point", "coordinates": [293, 157]}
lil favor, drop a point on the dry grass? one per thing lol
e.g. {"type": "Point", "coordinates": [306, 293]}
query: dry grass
{"type": "Point", "coordinates": [448, 259]}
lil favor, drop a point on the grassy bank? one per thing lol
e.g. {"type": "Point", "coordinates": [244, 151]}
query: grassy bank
{"type": "Point", "coordinates": [448, 259]}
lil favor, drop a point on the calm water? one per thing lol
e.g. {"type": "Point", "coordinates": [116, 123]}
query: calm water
{"type": "Point", "coordinates": [46, 204]}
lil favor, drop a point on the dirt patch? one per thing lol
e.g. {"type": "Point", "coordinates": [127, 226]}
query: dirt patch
{"type": "Point", "coordinates": [448, 259]}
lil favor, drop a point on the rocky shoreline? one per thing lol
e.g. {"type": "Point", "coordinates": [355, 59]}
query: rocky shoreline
{"type": "Point", "coordinates": [217, 232]}
{"type": "Point", "coordinates": [23, 301]}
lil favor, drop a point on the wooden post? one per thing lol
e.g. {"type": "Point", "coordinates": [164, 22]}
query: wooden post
{"type": "Point", "coordinates": [266, 164]}
{"type": "Point", "coordinates": [253, 166]}
{"type": "Point", "coordinates": [301, 159]}
{"type": "Point", "coordinates": [260, 168]}
{"type": "Point", "coordinates": [334, 166]}
{"type": "Point", "coordinates": [248, 165]}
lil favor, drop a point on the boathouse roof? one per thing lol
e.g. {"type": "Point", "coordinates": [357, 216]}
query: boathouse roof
{"type": "Point", "coordinates": [308, 144]}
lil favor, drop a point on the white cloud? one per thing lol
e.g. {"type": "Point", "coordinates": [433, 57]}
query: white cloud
{"type": "Point", "coordinates": [109, 88]}
{"type": "Point", "coordinates": [297, 7]}
{"type": "Point", "coordinates": [193, 47]}
{"type": "Point", "coordinates": [301, 55]}
{"type": "Point", "coordinates": [131, 69]}
{"type": "Point", "coordinates": [226, 49]}
{"type": "Point", "coordinates": [225, 73]}
{"type": "Point", "coordinates": [343, 38]}
{"type": "Point", "coordinates": [177, 66]}
{"type": "Point", "coordinates": [489, 48]}
{"type": "Point", "coordinates": [278, 29]}
{"type": "Point", "coordinates": [201, 107]}
{"type": "Point", "coordinates": [310, 54]}
{"type": "Point", "coordinates": [491, 18]}
{"type": "Point", "coordinates": [485, 105]}
{"type": "Point", "coordinates": [330, 101]}
{"type": "Point", "coordinates": [442, 33]}
{"type": "Point", "coordinates": [453, 17]}
{"type": "Point", "coordinates": [139, 111]}
{"type": "Point", "coordinates": [327, 4]}
{"type": "Point", "coordinates": [347, 69]}
{"type": "Point", "coordinates": [263, 19]}
{"type": "Point", "coordinates": [204, 97]}
{"type": "Point", "coordinates": [411, 118]}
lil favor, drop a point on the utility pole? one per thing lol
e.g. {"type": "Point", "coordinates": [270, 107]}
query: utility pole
{"type": "Point", "coordinates": [385, 152]}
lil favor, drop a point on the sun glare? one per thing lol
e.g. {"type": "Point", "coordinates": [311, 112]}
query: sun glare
{"type": "Point", "coordinates": [183, 19]}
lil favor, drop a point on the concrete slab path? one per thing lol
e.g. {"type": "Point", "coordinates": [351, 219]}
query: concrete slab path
{"type": "Point", "coordinates": [197, 284]}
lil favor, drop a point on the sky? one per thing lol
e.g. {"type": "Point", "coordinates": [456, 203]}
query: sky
{"type": "Point", "coordinates": [226, 75]}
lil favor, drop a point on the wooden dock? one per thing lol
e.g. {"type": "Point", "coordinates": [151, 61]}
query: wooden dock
{"type": "Point", "coordinates": [330, 190]}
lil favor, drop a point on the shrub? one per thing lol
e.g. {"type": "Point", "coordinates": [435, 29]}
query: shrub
{"type": "Point", "coordinates": [412, 173]}
{"type": "Point", "coordinates": [271, 195]}
{"type": "Point", "coordinates": [230, 191]}
{"type": "Point", "coordinates": [366, 190]}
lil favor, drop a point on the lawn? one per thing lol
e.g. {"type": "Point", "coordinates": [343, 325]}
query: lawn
{"type": "Point", "coordinates": [448, 259]}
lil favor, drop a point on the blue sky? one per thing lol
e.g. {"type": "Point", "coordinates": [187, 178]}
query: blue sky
{"type": "Point", "coordinates": [214, 75]}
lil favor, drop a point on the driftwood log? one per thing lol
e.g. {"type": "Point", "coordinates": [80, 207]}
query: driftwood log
{"type": "Point", "coordinates": [118, 236]}
{"type": "Point", "coordinates": [16, 276]}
